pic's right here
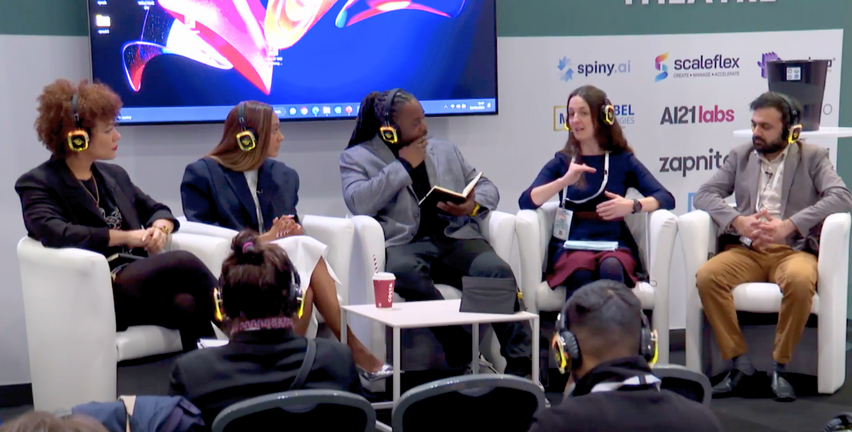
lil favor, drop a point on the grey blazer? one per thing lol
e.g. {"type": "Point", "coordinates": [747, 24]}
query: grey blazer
{"type": "Point", "coordinates": [375, 183]}
{"type": "Point", "coordinates": [819, 191]}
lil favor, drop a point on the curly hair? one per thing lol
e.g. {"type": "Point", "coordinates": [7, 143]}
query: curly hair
{"type": "Point", "coordinates": [95, 102]}
{"type": "Point", "coordinates": [42, 421]}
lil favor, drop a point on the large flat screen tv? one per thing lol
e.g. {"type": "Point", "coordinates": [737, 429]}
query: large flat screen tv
{"type": "Point", "coordinates": [191, 61]}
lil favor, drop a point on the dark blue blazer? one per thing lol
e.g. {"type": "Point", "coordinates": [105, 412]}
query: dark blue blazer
{"type": "Point", "coordinates": [216, 195]}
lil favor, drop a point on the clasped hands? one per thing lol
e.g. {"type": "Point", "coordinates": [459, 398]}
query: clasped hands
{"type": "Point", "coordinates": [763, 229]}
{"type": "Point", "coordinates": [153, 239]}
{"type": "Point", "coordinates": [284, 226]}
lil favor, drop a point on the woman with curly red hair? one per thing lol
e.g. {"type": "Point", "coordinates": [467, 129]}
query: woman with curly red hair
{"type": "Point", "coordinates": [75, 201]}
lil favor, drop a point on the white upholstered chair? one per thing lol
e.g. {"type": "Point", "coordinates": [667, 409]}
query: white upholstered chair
{"type": "Point", "coordinates": [655, 235]}
{"type": "Point", "coordinates": [336, 233]}
{"type": "Point", "coordinates": [822, 354]}
{"type": "Point", "coordinates": [70, 319]}
{"type": "Point", "coordinates": [370, 242]}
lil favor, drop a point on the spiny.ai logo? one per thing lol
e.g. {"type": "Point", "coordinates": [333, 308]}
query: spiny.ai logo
{"type": "Point", "coordinates": [685, 164]}
{"type": "Point", "coordinates": [662, 67]}
{"type": "Point", "coordinates": [566, 71]}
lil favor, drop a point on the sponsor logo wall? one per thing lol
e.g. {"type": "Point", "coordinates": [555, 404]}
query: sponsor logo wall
{"type": "Point", "coordinates": [679, 99]}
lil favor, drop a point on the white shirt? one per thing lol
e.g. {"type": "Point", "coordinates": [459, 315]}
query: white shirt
{"type": "Point", "coordinates": [251, 179]}
{"type": "Point", "coordinates": [770, 183]}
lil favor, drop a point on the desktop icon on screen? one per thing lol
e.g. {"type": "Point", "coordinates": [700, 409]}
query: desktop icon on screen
{"type": "Point", "coordinates": [292, 111]}
{"type": "Point", "coordinates": [348, 110]}
{"type": "Point", "coordinates": [326, 110]}
{"type": "Point", "coordinates": [315, 110]}
{"type": "Point", "coordinates": [304, 110]}
{"type": "Point", "coordinates": [102, 20]}
{"type": "Point", "coordinates": [338, 110]}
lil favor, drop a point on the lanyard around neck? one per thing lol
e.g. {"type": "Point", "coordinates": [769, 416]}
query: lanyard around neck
{"type": "Point", "coordinates": [775, 176]}
{"type": "Point", "coordinates": [603, 183]}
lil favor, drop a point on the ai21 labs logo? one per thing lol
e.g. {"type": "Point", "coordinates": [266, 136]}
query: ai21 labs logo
{"type": "Point", "coordinates": [569, 69]}
{"type": "Point", "coordinates": [623, 113]}
{"type": "Point", "coordinates": [696, 114]}
{"type": "Point", "coordinates": [702, 66]}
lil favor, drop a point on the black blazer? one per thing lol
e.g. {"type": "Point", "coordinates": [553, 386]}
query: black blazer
{"type": "Point", "coordinates": [256, 364]}
{"type": "Point", "coordinates": [216, 195]}
{"type": "Point", "coordinates": [60, 213]}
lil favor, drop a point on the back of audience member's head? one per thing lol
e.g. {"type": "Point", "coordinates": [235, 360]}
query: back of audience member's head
{"type": "Point", "coordinates": [606, 318]}
{"type": "Point", "coordinates": [40, 421]}
{"type": "Point", "coordinates": [256, 279]}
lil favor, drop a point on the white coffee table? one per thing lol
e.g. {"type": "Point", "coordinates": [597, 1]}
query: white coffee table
{"type": "Point", "coordinates": [434, 314]}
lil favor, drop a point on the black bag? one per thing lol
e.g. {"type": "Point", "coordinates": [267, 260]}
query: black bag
{"type": "Point", "coordinates": [491, 295]}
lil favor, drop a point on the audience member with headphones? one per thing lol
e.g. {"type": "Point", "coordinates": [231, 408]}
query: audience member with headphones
{"type": "Point", "coordinates": [591, 176]}
{"type": "Point", "coordinates": [606, 343]}
{"type": "Point", "coordinates": [388, 167]}
{"type": "Point", "coordinates": [260, 297]}
{"type": "Point", "coordinates": [240, 185]}
{"type": "Point", "coordinates": [784, 189]}
{"type": "Point", "coordinates": [73, 200]}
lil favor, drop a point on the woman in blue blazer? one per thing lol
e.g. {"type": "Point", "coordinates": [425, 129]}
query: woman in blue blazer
{"type": "Point", "coordinates": [240, 186]}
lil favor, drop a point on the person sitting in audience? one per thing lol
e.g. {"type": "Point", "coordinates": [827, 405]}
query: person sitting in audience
{"type": "Point", "coordinates": [41, 421]}
{"type": "Point", "coordinates": [605, 342]}
{"type": "Point", "coordinates": [260, 295]}
{"type": "Point", "coordinates": [240, 186]}
{"type": "Point", "coordinates": [73, 201]}
{"type": "Point", "coordinates": [388, 167]}
{"type": "Point", "coordinates": [771, 235]}
{"type": "Point", "coordinates": [591, 176]}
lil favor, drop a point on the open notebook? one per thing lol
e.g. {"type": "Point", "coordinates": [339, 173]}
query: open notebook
{"type": "Point", "coordinates": [600, 246]}
{"type": "Point", "coordinates": [438, 194]}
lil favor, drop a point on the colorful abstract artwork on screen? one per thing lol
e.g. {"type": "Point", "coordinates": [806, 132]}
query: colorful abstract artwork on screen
{"type": "Point", "coordinates": [245, 35]}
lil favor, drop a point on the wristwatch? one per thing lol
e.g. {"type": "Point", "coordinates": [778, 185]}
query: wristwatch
{"type": "Point", "coordinates": [637, 206]}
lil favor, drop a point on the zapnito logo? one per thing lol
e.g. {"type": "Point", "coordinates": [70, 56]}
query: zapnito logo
{"type": "Point", "coordinates": [696, 114]}
{"type": "Point", "coordinates": [624, 114]}
{"type": "Point", "coordinates": [684, 164]}
{"type": "Point", "coordinates": [699, 67]}
{"type": "Point", "coordinates": [567, 68]}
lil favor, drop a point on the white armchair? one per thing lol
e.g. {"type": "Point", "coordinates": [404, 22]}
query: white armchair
{"type": "Point", "coordinates": [823, 355]}
{"type": "Point", "coordinates": [336, 233]}
{"type": "Point", "coordinates": [70, 319]}
{"type": "Point", "coordinates": [370, 242]}
{"type": "Point", "coordinates": [655, 235]}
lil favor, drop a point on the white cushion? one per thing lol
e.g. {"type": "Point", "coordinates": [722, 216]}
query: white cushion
{"type": "Point", "coordinates": [552, 300]}
{"type": "Point", "coordinates": [146, 340]}
{"type": "Point", "coordinates": [763, 298]}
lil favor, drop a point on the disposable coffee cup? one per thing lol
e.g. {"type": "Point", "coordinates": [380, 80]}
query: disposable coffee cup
{"type": "Point", "coordinates": [383, 284]}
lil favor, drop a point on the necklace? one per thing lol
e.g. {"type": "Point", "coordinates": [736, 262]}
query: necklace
{"type": "Point", "coordinates": [97, 196]}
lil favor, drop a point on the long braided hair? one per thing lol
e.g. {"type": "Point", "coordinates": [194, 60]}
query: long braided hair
{"type": "Point", "coordinates": [372, 114]}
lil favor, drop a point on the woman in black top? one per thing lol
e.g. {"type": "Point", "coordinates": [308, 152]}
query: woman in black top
{"type": "Point", "coordinates": [73, 201]}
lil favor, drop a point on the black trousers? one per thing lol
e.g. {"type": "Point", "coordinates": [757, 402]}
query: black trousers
{"type": "Point", "coordinates": [420, 264]}
{"type": "Point", "coordinates": [172, 290]}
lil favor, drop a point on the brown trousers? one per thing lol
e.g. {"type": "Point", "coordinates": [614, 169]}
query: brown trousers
{"type": "Point", "coordinates": [796, 274]}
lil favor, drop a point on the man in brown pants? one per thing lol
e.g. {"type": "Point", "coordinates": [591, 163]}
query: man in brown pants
{"type": "Point", "coordinates": [771, 236]}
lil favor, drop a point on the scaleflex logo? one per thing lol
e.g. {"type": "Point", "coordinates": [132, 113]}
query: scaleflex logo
{"type": "Point", "coordinates": [623, 113]}
{"type": "Point", "coordinates": [567, 69]}
{"type": "Point", "coordinates": [717, 66]}
{"type": "Point", "coordinates": [684, 164]}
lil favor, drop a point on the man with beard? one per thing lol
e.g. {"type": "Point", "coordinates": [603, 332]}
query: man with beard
{"type": "Point", "coordinates": [771, 235]}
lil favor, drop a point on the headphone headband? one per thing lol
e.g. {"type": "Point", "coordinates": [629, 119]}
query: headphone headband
{"type": "Point", "coordinates": [388, 131]}
{"type": "Point", "coordinates": [246, 138]}
{"type": "Point", "coordinates": [78, 138]}
{"type": "Point", "coordinates": [794, 127]}
{"type": "Point", "coordinates": [295, 296]}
